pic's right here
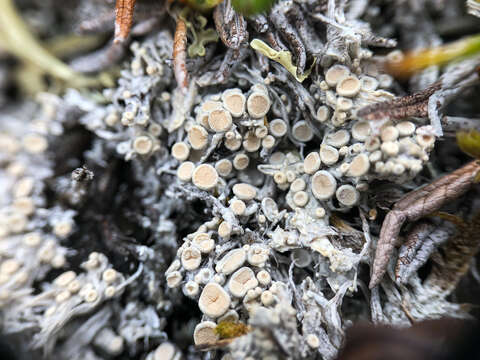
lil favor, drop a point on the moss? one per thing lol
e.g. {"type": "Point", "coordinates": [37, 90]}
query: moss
{"type": "Point", "coordinates": [231, 329]}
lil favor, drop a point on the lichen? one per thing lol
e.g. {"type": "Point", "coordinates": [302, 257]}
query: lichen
{"type": "Point", "coordinates": [238, 212]}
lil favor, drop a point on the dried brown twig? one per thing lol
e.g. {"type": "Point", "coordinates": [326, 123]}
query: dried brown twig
{"type": "Point", "coordinates": [429, 102]}
{"type": "Point", "coordinates": [413, 239]}
{"type": "Point", "coordinates": [407, 106]}
{"type": "Point", "coordinates": [123, 19]}
{"type": "Point", "coordinates": [260, 25]}
{"type": "Point", "coordinates": [416, 205]}
{"type": "Point", "coordinates": [290, 34]}
{"type": "Point", "coordinates": [231, 27]}
{"type": "Point", "coordinates": [180, 55]}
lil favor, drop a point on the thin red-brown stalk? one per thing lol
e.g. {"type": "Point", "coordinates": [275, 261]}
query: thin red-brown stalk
{"type": "Point", "coordinates": [180, 55]}
{"type": "Point", "coordinates": [123, 19]}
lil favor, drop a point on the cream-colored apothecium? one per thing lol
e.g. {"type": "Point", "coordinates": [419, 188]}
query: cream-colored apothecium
{"type": "Point", "coordinates": [205, 177]}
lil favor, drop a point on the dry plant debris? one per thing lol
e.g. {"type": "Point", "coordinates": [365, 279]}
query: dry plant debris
{"type": "Point", "coordinates": [418, 204]}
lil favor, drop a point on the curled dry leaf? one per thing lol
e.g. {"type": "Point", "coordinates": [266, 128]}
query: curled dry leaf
{"type": "Point", "coordinates": [416, 205]}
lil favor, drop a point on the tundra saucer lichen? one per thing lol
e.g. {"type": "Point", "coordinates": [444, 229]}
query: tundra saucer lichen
{"type": "Point", "coordinates": [149, 219]}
